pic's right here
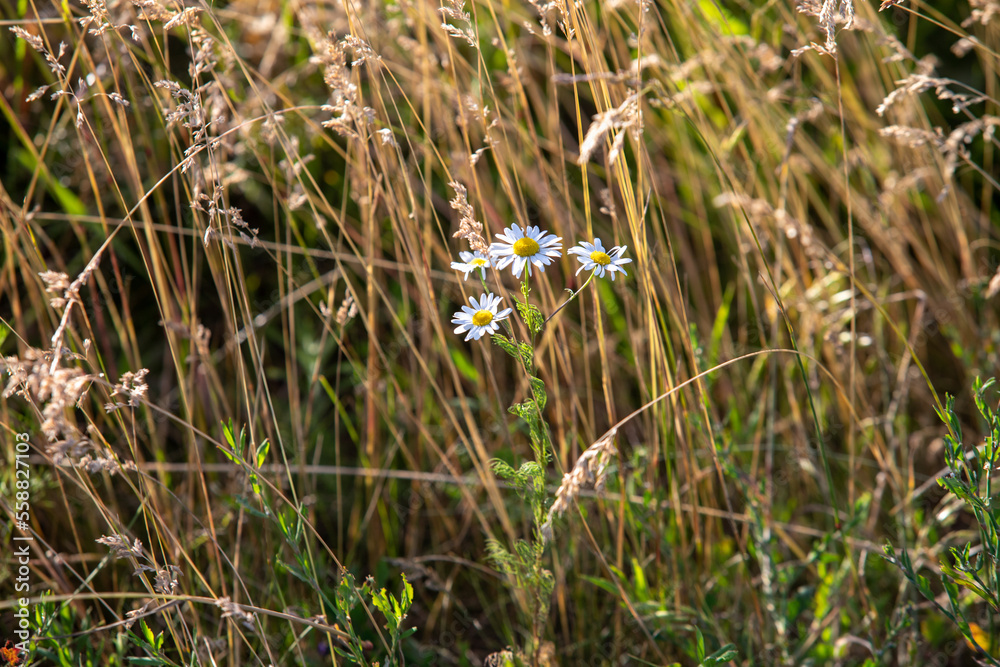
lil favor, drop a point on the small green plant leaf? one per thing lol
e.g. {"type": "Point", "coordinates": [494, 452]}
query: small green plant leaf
{"type": "Point", "coordinates": [505, 344]}
{"type": "Point", "coordinates": [234, 453]}
{"type": "Point", "coordinates": [603, 584]}
{"type": "Point", "coordinates": [384, 604]}
{"type": "Point", "coordinates": [464, 365]}
{"type": "Point", "coordinates": [502, 469]}
{"type": "Point", "coordinates": [262, 450]}
{"type": "Point", "coordinates": [249, 508]}
{"type": "Point", "coordinates": [727, 653]}
{"type": "Point", "coordinates": [148, 634]}
{"type": "Point", "coordinates": [538, 389]}
{"type": "Point", "coordinates": [532, 316]}
{"type": "Point", "coordinates": [296, 572]}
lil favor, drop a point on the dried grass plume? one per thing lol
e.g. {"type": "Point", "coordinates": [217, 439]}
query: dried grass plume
{"type": "Point", "coordinates": [590, 468]}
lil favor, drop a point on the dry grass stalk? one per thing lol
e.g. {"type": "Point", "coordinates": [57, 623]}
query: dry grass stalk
{"type": "Point", "coordinates": [386, 136]}
{"type": "Point", "coordinates": [762, 210]}
{"type": "Point", "coordinates": [166, 577]}
{"type": "Point", "coordinates": [994, 287]}
{"type": "Point", "coordinates": [590, 468]}
{"type": "Point", "coordinates": [557, 8]}
{"type": "Point", "coordinates": [913, 137]}
{"type": "Point", "coordinates": [954, 147]}
{"type": "Point", "coordinates": [829, 13]}
{"type": "Point", "coordinates": [120, 547]}
{"type": "Point", "coordinates": [983, 11]}
{"type": "Point", "coordinates": [132, 385]}
{"type": "Point", "coordinates": [56, 389]}
{"type": "Point", "coordinates": [103, 464]}
{"type": "Point", "coordinates": [469, 228]}
{"type": "Point", "coordinates": [918, 83]}
{"type": "Point", "coordinates": [35, 42]}
{"type": "Point", "coordinates": [59, 391]}
{"type": "Point", "coordinates": [629, 77]}
{"type": "Point", "coordinates": [608, 207]}
{"type": "Point", "coordinates": [625, 116]}
{"type": "Point", "coordinates": [152, 11]}
{"type": "Point", "coordinates": [348, 309]}
{"type": "Point", "coordinates": [351, 117]}
{"type": "Point", "coordinates": [232, 610]}
{"type": "Point", "coordinates": [98, 17]}
{"type": "Point", "coordinates": [185, 17]}
{"type": "Point", "coordinates": [962, 47]}
{"type": "Point", "coordinates": [166, 582]}
{"type": "Point", "coordinates": [455, 10]}
{"type": "Point", "coordinates": [618, 4]}
{"type": "Point", "coordinates": [134, 615]}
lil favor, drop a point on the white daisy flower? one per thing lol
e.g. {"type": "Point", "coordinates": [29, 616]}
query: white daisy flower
{"type": "Point", "coordinates": [470, 262]}
{"type": "Point", "coordinates": [482, 318]}
{"type": "Point", "coordinates": [524, 248]}
{"type": "Point", "coordinates": [594, 257]}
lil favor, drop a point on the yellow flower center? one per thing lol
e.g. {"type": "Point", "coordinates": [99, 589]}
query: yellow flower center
{"type": "Point", "coordinates": [599, 257]}
{"type": "Point", "coordinates": [482, 318]}
{"type": "Point", "coordinates": [525, 247]}
{"type": "Point", "coordinates": [477, 262]}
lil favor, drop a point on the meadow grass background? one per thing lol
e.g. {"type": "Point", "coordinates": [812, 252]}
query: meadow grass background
{"type": "Point", "coordinates": [213, 187]}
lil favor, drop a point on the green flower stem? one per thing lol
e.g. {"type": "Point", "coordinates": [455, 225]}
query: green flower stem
{"type": "Point", "coordinates": [525, 291]}
{"type": "Point", "coordinates": [523, 564]}
{"type": "Point", "coordinates": [572, 296]}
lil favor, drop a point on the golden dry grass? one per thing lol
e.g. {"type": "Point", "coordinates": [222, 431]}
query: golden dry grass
{"type": "Point", "coordinates": [216, 190]}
